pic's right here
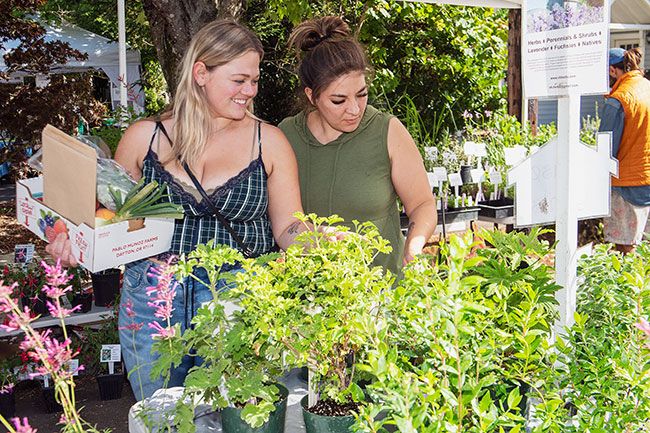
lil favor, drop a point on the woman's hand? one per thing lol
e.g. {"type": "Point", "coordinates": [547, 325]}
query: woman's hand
{"type": "Point", "coordinates": [61, 250]}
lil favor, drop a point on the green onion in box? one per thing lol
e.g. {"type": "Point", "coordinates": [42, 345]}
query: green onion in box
{"type": "Point", "coordinates": [144, 201]}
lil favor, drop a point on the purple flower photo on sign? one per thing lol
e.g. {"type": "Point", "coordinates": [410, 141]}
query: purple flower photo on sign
{"type": "Point", "coordinates": [560, 14]}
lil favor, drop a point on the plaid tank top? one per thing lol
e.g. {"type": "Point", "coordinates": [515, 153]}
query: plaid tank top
{"type": "Point", "coordinates": [242, 200]}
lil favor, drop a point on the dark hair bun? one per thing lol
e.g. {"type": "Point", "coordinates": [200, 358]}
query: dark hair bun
{"type": "Point", "coordinates": [309, 34]}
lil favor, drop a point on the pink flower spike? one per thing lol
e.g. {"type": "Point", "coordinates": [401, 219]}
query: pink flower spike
{"type": "Point", "coordinates": [60, 312]}
{"type": "Point", "coordinates": [56, 275]}
{"type": "Point", "coordinates": [129, 309]}
{"type": "Point", "coordinates": [131, 327]}
{"type": "Point", "coordinates": [22, 427]}
{"type": "Point", "coordinates": [163, 333]}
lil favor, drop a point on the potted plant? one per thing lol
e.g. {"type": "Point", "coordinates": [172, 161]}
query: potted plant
{"type": "Point", "coordinates": [81, 294]}
{"type": "Point", "coordinates": [8, 379]}
{"type": "Point", "coordinates": [463, 334]}
{"type": "Point", "coordinates": [106, 286]}
{"type": "Point", "coordinates": [602, 374]}
{"type": "Point", "coordinates": [238, 368]}
{"type": "Point", "coordinates": [29, 279]}
{"type": "Point", "coordinates": [318, 303]}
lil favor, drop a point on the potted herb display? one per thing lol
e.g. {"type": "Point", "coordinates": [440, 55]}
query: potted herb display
{"type": "Point", "coordinates": [318, 303]}
{"type": "Point", "coordinates": [463, 334]}
{"type": "Point", "coordinates": [239, 365]}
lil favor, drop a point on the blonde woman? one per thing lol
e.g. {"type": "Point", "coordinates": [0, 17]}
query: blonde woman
{"type": "Point", "coordinates": [245, 168]}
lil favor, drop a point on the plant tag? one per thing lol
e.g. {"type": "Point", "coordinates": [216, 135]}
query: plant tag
{"type": "Point", "coordinates": [440, 173]}
{"type": "Point", "coordinates": [455, 179]}
{"type": "Point", "coordinates": [477, 175]}
{"type": "Point", "coordinates": [495, 177]}
{"type": "Point", "coordinates": [433, 180]}
{"type": "Point", "coordinates": [480, 150]}
{"type": "Point", "coordinates": [46, 381]}
{"type": "Point", "coordinates": [23, 253]}
{"type": "Point", "coordinates": [72, 366]}
{"type": "Point", "coordinates": [514, 155]}
{"type": "Point", "coordinates": [110, 353]}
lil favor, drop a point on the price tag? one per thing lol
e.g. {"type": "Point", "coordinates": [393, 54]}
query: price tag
{"type": "Point", "coordinates": [495, 177]}
{"type": "Point", "coordinates": [455, 179]}
{"type": "Point", "coordinates": [469, 147]}
{"type": "Point", "coordinates": [477, 175]}
{"type": "Point", "coordinates": [514, 155]}
{"type": "Point", "coordinates": [110, 353]}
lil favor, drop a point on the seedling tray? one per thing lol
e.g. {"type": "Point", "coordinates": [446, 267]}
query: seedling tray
{"type": "Point", "coordinates": [502, 208]}
{"type": "Point", "coordinates": [459, 214]}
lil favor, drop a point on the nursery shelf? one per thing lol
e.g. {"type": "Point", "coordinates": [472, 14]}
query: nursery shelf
{"type": "Point", "coordinates": [95, 315]}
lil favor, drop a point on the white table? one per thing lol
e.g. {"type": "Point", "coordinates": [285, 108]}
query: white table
{"type": "Point", "coordinates": [160, 406]}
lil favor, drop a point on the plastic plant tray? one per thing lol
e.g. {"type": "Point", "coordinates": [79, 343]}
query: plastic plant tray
{"type": "Point", "coordinates": [502, 208]}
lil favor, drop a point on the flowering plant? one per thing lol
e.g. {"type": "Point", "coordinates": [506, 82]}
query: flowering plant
{"type": "Point", "coordinates": [52, 357]}
{"type": "Point", "coordinates": [8, 376]}
{"type": "Point", "coordinates": [28, 279]}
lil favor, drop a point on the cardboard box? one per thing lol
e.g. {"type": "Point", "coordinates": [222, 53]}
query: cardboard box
{"type": "Point", "coordinates": [63, 200]}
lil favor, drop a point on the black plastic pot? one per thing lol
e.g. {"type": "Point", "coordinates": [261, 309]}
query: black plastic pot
{"type": "Point", "coordinates": [106, 286]}
{"type": "Point", "coordinates": [85, 300]}
{"type": "Point", "coordinates": [466, 174]}
{"type": "Point", "coordinates": [231, 421]}
{"type": "Point", "coordinates": [8, 404]}
{"type": "Point", "coordinates": [36, 306]}
{"type": "Point", "coordinates": [51, 405]}
{"type": "Point", "coordinates": [110, 386]}
{"type": "Point", "coordinates": [324, 424]}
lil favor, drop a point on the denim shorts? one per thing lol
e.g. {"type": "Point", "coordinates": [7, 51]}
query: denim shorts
{"type": "Point", "coordinates": [137, 344]}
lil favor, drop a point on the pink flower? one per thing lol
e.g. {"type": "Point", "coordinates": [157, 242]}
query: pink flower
{"type": "Point", "coordinates": [22, 427]}
{"type": "Point", "coordinates": [164, 291]}
{"type": "Point", "coordinates": [129, 309]}
{"type": "Point", "coordinates": [7, 389]}
{"type": "Point", "coordinates": [56, 310]}
{"type": "Point", "coordinates": [163, 333]}
{"type": "Point", "coordinates": [56, 275]}
{"type": "Point", "coordinates": [55, 292]}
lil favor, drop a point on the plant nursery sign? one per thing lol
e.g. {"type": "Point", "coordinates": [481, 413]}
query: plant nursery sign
{"type": "Point", "coordinates": [564, 48]}
{"type": "Point", "coordinates": [535, 183]}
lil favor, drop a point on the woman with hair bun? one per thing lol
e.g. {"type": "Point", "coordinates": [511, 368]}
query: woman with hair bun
{"type": "Point", "coordinates": [626, 114]}
{"type": "Point", "coordinates": [354, 160]}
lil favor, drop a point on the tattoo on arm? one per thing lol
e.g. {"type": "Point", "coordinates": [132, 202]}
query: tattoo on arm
{"type": "Point", "coordinates": [293, 229]}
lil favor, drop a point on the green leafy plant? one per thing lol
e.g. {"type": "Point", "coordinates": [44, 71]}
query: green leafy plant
{"type": "Point", "coordinates": [319, 301]}
{"type": "Point", "coordinates": [602, 376]}
{"type": "Point", "coordinates": [465, 339]}
{"type": "Point", "coordinates": [238, 367]}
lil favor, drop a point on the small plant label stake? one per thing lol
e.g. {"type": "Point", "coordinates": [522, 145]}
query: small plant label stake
{"type": "Point", "coordinates": [456, 181]}
{"type": "Point", "coordinates": [477, 177]}
{"type": "Point", "coordinates": [110, 353]}
{"type": "Point", "coordinates": [495, 179]}
{"type": "Point", "coordinates": [23, 253]}
{"type": "Point", "coordinates": [436, 179]}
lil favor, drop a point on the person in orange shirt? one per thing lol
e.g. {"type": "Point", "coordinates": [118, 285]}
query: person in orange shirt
{"type": "Point", "coordinates": [626, 114]}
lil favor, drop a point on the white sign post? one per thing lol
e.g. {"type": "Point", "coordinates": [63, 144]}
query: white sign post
{"type": "Point", "coordinates": [564, 54]}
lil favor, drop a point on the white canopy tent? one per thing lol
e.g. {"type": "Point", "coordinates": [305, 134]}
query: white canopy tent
{"type": "Point", "coordinates": [102, 55]}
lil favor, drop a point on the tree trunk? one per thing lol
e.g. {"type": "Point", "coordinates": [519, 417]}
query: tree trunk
{"type": "Point", "coordinates": [514, 64]}
{"type": "Point", "coordinates": [174, 22]}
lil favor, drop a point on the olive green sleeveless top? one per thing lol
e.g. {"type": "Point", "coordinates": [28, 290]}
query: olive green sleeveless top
{"type": "Point", "coordinates": [350, 177]}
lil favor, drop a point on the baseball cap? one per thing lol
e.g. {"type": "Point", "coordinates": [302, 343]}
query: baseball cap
{"type": "Point", "coordinates": [616, 56]}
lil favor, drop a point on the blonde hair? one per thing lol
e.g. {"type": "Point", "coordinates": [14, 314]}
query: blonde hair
{"type": "Point", "coordinates": [216, 44]}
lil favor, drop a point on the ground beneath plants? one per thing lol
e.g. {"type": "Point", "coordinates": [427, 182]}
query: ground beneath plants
{"type": "Point", "coordinates": [109, 414]}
